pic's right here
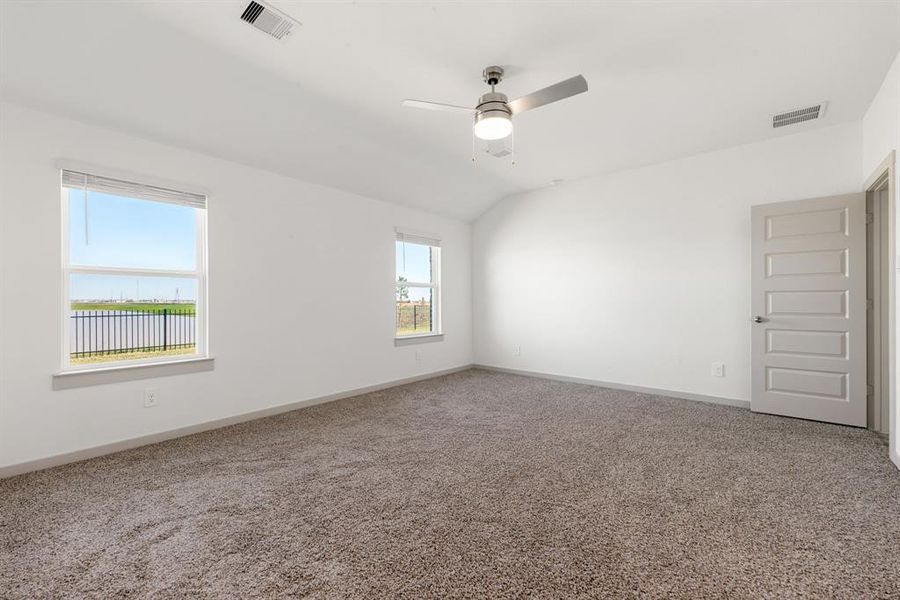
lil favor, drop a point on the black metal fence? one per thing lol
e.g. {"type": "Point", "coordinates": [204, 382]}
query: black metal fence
{"type": "Point", "coordinates": [413, 316]}
{"type": "Point", "coordinates": [104, 332]}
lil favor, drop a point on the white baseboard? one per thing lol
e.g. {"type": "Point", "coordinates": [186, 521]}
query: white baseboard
{"type": "Point", "coordinates": [623, 386]}
{"type": "Point", "coordinates": [154, 438]}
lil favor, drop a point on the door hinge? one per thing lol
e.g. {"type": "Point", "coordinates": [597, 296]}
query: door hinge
{"type": "Point", "coordinates": [870, 390]}
{"type": "Point", "coordinates": [870, 304]}
{"type": "Point", "coordinates": [870, 218]}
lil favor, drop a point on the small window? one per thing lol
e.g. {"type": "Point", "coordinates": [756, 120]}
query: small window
{"type": "Point", "coordinates": [418, 285]}
{"type": "Point", "coordinates": [134, 272]}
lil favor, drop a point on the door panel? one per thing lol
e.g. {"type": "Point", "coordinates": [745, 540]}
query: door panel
{"type": "Point", "coordinates": [808, 281]}
{"type": "Point", "coordinates": [828, 303]}
{"type": "Point", "coordinates": [809, 223]}
{"type": "Point", "coordinates": [816, 384]}
{"type": "Point", "coordinates": [807, 343]}
{"type": "Point", "coordinates": [823, 262]}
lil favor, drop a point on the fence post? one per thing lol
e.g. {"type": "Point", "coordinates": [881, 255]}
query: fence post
{"type": "Point", "coordinates": [415, 325]}
{"type": "Point", "coordinates": [165, 329]}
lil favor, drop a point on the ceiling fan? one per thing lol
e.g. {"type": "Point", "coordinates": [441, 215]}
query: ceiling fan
{"type": "Point", "coordinates": [493, 113]}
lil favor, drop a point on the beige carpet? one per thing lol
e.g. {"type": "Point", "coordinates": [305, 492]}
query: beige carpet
{"type": "Point", "coordinates": [472, 485]}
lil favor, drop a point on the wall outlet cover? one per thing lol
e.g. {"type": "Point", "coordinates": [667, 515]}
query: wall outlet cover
{"type": "Point", "coordinates": [151, 398]}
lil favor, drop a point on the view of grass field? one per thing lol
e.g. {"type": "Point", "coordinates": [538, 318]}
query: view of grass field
{"type": "Point", "coordinates": [410, 331]}
{"type": "Point", "coordinates": [182, 307]}
{"type": "Point", "coordinates": [135, 355]}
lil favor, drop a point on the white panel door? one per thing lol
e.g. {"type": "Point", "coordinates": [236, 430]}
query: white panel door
{"type": "Point", "coordinates": [808, 281]}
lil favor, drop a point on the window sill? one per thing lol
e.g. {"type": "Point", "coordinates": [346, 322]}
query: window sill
{"type": "Point", "coordinates": [117, 373]}
{"type": "Point", "coordinates": [418, 339]}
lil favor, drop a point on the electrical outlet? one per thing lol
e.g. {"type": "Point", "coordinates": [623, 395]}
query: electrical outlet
{"type": "Point", "coordinates": [517, 351]}
{"type": "Point", "coordinates": [151, 398]}
{"type": "Point", "coordinates": [718, 369]}
{"type": "Point", "coordinates": [418, 356]}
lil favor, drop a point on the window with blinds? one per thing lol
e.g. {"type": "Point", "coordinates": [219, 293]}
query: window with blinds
{"type": "Point", "coordinates": [417, 284]}
{"type": "Point", "coordinates": [134, 271]}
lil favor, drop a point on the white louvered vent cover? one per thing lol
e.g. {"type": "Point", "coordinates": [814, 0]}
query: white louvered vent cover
{"type": "Point", "coordinates": [799, 115]}
{"type": "Point", "coordinates": [269, 20]}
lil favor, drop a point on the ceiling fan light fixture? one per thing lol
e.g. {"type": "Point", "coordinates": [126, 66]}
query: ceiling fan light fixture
{"type": "Point", "coordinates": [493, 125]}
{"type": "Point", "coordinates": [494, 111]}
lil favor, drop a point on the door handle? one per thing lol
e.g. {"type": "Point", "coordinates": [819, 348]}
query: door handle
{"type": "Point", "coordinates": [758, 319]}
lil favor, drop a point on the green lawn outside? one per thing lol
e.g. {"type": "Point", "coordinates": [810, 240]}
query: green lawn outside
{"type": "Point", "coordinates": [411, 331]}
{"type": "Point", "coordinates": [134, 306]}
{"type": "Point", "coordinates": [134, 355]}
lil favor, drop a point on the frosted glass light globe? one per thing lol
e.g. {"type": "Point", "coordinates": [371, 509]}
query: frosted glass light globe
{"type": "Point", "coordinates": [493, 128]}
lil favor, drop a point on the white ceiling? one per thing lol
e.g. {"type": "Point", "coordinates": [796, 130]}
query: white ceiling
{"type": "Point", "coordinates": [667, 80]}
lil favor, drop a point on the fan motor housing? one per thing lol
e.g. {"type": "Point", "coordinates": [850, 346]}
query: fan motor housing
{"type": "Point", "coordinates": [490, 104]}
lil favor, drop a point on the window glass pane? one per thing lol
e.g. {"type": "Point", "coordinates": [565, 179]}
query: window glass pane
{"type": "Point", "coordinates": [415, 313]}
{"type": "Point", "coordinates": [113, 317]}
{"type": "Point", "coordinates": [114, 231]}
{"type": "Point", "coordinates": [413, 262]}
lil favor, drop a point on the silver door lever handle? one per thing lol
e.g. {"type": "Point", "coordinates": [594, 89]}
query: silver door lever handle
{"type": "Point", "coordinates": [758, 319]}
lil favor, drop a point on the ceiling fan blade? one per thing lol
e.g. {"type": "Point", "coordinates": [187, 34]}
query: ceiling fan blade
{"type": "Point", "coordinates": [437, 106]}
{"type": "Point", "coordinates": [557, 91]}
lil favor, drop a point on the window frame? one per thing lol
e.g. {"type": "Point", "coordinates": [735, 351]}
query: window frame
{"type": "Point", "coordinates": [434, 285]}
{"type": "Point", "coordinates": [67, 270]}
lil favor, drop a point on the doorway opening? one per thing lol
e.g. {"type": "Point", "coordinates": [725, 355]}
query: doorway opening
{"type": "Point", "coordinates": [877, 306]}
{"type": "Point", "coordinates": [880, 335]}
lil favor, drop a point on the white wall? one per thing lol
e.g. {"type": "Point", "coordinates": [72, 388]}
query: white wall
{"type": "Point", "coordinates": [642, 277]}
{"type": "Point", "coordinates": [881, 123]}
{"type": "Point", "coordinates": [881, 135]}
{"type": "Point", "coordinates": [324, 258]}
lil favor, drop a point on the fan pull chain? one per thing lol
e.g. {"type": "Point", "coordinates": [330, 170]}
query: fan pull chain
{"type": "Point", "coordinates": [473, 146]}
{"type": "Point", "coordinates": [512, 146]}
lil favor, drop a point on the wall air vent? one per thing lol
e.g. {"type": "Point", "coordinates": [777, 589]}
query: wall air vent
{"type": "Point", "coordinates": [269, 20]}
{"type": "Point", "coordinates": [799, 115]}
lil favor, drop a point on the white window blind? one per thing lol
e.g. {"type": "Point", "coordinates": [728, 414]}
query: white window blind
{"type": "Point", "coordinates": [130, 189]}
{"type": "Point", "coordinates": [418, 238]}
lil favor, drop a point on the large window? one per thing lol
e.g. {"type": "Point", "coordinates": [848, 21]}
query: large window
{"type": "Point", "coordinates": [134, 272]}
{"type": "Point", "coordinates": [418, 287]}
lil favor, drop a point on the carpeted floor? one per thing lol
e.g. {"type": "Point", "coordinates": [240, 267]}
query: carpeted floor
{"type": "Point", "coordinates": [476, 484]}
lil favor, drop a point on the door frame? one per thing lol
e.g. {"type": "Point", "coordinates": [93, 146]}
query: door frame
{"type": "Point", "coordinates": [886, 175]}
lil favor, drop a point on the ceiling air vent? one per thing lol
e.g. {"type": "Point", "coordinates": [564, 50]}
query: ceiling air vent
{"type": "Point", "coordinates": [799, 115]}
{"type": "Point", "coordinates": [269, 20]}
